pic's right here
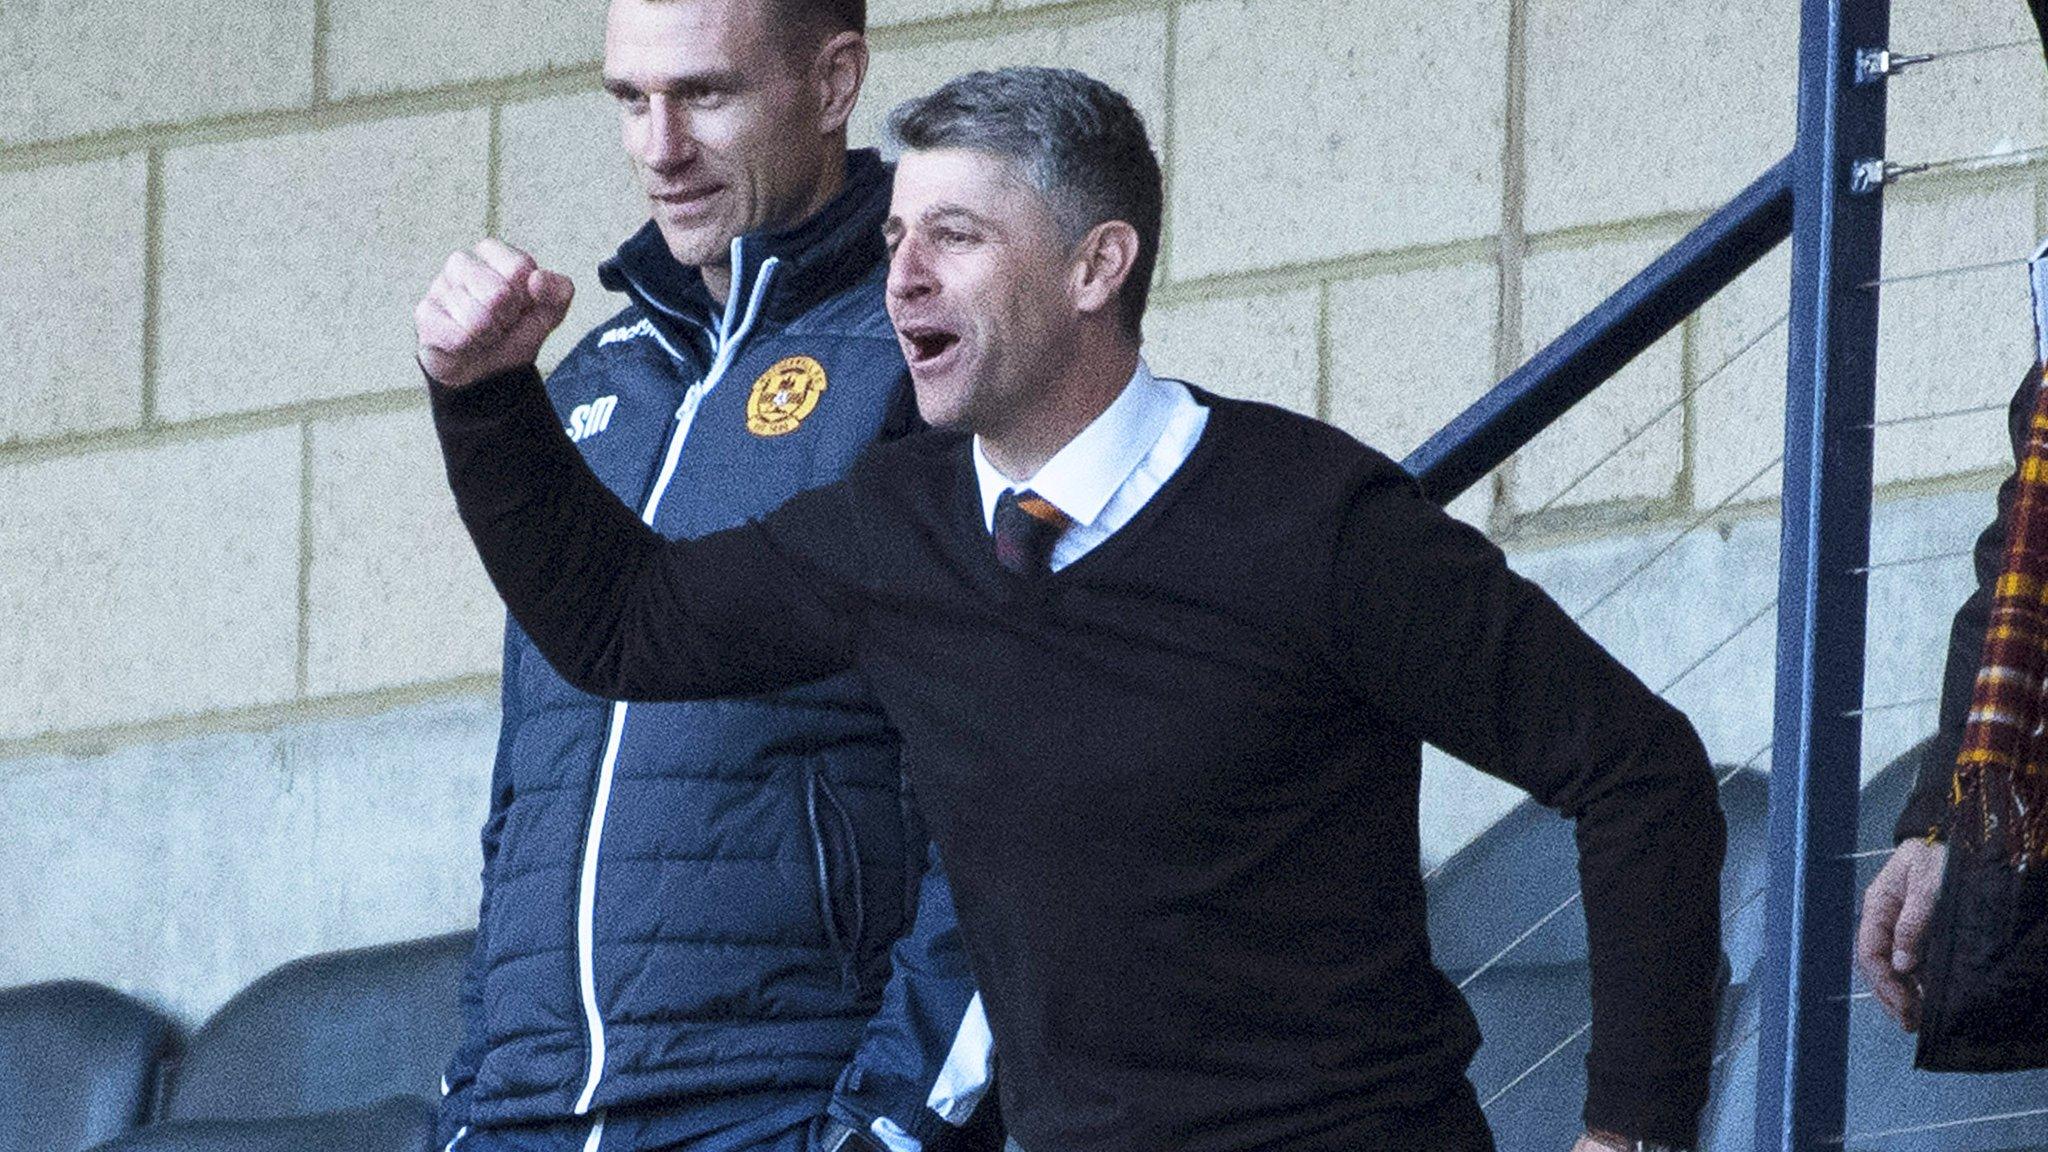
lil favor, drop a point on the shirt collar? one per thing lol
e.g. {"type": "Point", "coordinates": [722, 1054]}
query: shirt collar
{"type": "Point", "coordinates": [1083, 475]}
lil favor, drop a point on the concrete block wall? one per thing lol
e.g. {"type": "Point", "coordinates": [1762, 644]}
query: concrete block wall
{"type": "Point", "coordinates": [223, 534]}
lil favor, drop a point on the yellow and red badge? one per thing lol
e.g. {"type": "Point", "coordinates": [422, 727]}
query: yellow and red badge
{"type": "Point", "coordinates": [784, 395]}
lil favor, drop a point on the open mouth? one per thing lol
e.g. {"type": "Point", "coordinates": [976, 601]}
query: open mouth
{"type": "Point", "coordinates": [683, 197]}
{"type": "Point", "coordinates": [924, 346]}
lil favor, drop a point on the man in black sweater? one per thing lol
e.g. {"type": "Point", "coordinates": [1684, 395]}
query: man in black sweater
{"type": "Point", "coordinates": [1163, 664]}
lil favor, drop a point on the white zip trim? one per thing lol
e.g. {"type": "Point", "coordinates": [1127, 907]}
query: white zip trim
{"type": "Point", "coordinates": [727, 343]}
{"type": "Point", "coordinates": [596, 1137]}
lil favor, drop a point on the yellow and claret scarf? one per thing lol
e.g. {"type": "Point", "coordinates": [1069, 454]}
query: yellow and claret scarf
{"type": "Point", "coordinates": [2000, 792]}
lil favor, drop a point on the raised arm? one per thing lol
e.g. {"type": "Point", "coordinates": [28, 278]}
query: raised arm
{"type": "Point", "coordinates": [1484, 665]}
{"type": "Point", "coordinates": [619, 611]}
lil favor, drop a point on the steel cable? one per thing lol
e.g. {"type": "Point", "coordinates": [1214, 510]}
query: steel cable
{"type": "Point", "coordinates": [1638, 433]}
{"type": "Point", "coordinates": [1940, 1125]}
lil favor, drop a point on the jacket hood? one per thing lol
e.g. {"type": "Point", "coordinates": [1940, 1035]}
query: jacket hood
{"type": "Point", "coordinates": [836, 248]}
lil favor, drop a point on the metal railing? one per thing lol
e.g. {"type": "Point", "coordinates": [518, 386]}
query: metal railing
{"type": "Point", "coordinates": [1827, 198]}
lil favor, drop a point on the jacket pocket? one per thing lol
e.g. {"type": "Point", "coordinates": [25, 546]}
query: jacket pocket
{"type": "Point", "coordinates": [842, 903]}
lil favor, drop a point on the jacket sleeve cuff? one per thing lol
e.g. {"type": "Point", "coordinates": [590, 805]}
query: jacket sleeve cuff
{"type": "Point", "coordinates": [482, 398]}
{"type": "Point", "coordinates": [1665, 1109]}
{"type": "Point", "coordinates": [862, 1098]}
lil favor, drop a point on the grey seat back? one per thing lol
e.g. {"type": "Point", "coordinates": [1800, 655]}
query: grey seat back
{"type": "Point", "coordinates": [78, 1064]}
{"type": "Point", "coordinates": [328, 1033]}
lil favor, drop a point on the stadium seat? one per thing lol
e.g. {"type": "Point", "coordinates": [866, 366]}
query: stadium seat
{"type": "Point", "coordinates": [340, 1052]}
{"type": "Point", "coordinates": [328, 1033]}
{"type": "Point", "coordinates": [78, 1064]}
{"type": "Point", "coordinates": [400, 1124]}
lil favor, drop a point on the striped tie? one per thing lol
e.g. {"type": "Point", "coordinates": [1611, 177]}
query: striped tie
{"type": "Point", "coordinates": [1027, 526]}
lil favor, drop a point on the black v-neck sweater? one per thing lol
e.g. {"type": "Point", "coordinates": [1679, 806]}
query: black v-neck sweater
{"type": "Point", "coordinates": [1175, 783]}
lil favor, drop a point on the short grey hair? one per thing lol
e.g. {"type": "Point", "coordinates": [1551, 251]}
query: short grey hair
{"type": "Point", "coordinates": [1076, 139]}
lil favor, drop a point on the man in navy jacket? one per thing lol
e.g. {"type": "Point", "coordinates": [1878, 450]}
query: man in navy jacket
{"type": "Point", "coordinates": [716, 926]}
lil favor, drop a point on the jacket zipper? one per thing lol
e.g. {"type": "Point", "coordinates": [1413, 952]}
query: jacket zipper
{"type": "Point", "coordinates": [729, 341]}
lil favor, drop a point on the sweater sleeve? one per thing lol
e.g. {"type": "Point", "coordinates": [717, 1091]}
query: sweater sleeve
{"type": "Point", "coordinates": [1927, 808]}
{"type": "Point", "coordinates": [620, 611]}
{"type": "Point", "coordinates": [1451, 644]}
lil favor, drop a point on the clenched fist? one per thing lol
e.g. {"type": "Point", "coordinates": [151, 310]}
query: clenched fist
{"type": "Point", "coordinates": [488, 312]}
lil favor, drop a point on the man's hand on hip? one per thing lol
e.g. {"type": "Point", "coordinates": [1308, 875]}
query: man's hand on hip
{"type": "Point", "coordinates": [488, 312]}
{"type": "Point", "coordinates": [1896, 909]}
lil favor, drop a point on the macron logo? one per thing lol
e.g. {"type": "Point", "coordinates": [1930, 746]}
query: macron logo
{"type": "Point", "coordinates": [626, 332]}
{"type": "Point", "coordinates": [590, 419]}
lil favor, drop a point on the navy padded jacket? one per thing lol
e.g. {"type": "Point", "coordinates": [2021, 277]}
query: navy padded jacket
{"type": "Point", "coordinates": [766, 930]}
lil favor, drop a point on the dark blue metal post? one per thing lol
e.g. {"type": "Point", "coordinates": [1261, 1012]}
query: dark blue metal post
{"type": "Point", "coordinates": [1817, 744]}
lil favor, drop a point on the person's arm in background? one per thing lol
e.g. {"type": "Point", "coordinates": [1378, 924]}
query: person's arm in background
{"type": "Point", "coordinates": [923, 1064]}
{"type": "Point", "coordinates": [458, 1081]}
{"type": "Point", "coordinates": [1900, 901]}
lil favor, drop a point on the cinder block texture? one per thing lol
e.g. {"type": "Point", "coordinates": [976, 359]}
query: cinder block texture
{"type": "Point", "coordinates": [149, 582]}
{"type": "Point", "coordinates": [397, 595]}
{"type": "Point", "coordinates": [180, 872]}
{"type": "Point", "coordinates": [291, 264]}
{"type": "Point", "coordinates": [1127, 52]}
{"type": "Point", "coordinates": [1256, 347]}
{"type": "Point", "coordinates": [1308, 130]}
{"type": "Point", "coordinates": [1965, 105]}
{"type": "Point", "coordinates": [1636, 108]}
{"type": "Point", "coordinates": [1636, 408]}
{"type": "Point", "coordinates": [81, 68]}
{"type": "Point", "coordinates": [384, 46]}
{"type": "Point", "coordinates": [566, 193]}
{"type": "Point", "coordinates": [882, 13]}
{"type": "Point", "coordinates": [1410, 350]}
{"type": "Point", "coordinates": [1950, 343]}
{"type": "Point", "coordinates": [1737, 372]}
{"type": "Point", "coordinates": [71, 240]}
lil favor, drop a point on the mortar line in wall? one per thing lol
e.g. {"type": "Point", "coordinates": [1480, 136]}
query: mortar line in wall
{"type": "Point", "coordinates": [1592, 522]}
{"type": "Point", "coordinates": [208, 427]}
{"type": "Point", "coordinates": [1288, 277]}
{"type": "Point", "coordinates": [323, 26]}
{"type": "Point", "coordinates": [302, 670]}
{"type": "Point", "coordinates": [1513, 240]}
{"type": "Point", "coordinates": [493, 154]}
{"type": "Point", "coordinates": [998, 21]}
{"type": "Point", "coordinates": [247, 126]}
{"type": "Point", "coordinates": [1684, 490]}
{"type": "Point", "coordinates": [98, 741]}
{"type": "Point", "coordinates": [325, 112]}
{"type": "Point", "coordinates": [1326, 382]}
{"type": "Point", "coordinates": [1163, 137]}
{"type": "Point", "coordinates": [152, 267]}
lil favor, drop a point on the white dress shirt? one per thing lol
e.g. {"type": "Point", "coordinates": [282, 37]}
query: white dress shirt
{"type": "Point", "coordinates": [1103, 476]}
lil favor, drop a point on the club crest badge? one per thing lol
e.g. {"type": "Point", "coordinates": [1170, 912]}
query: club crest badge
{"type": "Point", "coordinates": [784, 395]}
